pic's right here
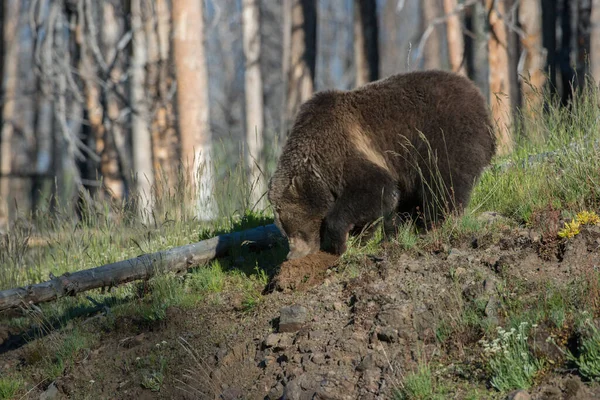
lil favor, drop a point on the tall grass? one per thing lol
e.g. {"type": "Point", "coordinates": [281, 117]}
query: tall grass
{"type": "Point", "coordinates": [78, 235]}
{"type": "Point", "coordinates": [556, 161]}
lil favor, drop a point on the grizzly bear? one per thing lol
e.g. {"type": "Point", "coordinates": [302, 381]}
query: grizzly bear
{"type": "Point", "coordinates": [411, 143]}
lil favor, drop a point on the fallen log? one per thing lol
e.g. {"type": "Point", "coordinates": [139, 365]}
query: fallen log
{"type": "Point", "coordinates": [142, 267]}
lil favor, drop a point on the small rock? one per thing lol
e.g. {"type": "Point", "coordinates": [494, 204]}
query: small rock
{"type": "Point", "coordinates": [454, 255]}
{"type": "Point", "coordinates": [337, 305]}
{"type": "Point", "coordinates": [491, 309]}
{"type": "Point", "coordinates": [318, 358]}
{"type": "Point", "coordinates": [414, 267]}
{"type": "Point", "coordinates": [460, 271]}
{"type": "Point", "coordinates": [316, 335]}
{"type": "Point", "coordinates": [285, 341]}
{"type": "Point", "coordinates": [276, 392]}
{"type": "Point", "coordinates": [387, 334]}
{"type": "Point", "coordinates": [489, 285]}
{"type": "Point", "coordinates": [367, 363]}
{"type": "Point", "coordinates": [518, 395]}
{"type": "Point", "coordinates": [292, 318]}
{"type": "Point", "coordinates": [50, 393]}
{"type": "Point", "coordinates": [271, 340]}
{"type": "Point", "coordinates": [232, 394]}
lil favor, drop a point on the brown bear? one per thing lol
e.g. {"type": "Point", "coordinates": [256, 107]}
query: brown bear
{"type": "Point", "coordinates": [413, 142]}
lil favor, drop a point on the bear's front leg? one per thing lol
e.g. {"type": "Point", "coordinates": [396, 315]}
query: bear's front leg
{"type": "Point", "coordinates": [357, 207]}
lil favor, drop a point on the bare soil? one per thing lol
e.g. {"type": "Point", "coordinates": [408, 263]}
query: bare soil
{"type": "Point", "coordinates": [365, 324]}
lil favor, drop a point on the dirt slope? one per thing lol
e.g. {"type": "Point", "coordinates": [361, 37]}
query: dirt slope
{"type": "Point", "coordinates": [352, 331]}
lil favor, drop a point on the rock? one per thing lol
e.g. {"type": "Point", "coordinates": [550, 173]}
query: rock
{"type": "Point", "coordinates": [518, 395]}
{"type": "Point", "coordinates": [548, 392]}
{"type": "Point", "coordinates": [576, 390]}
{"type": "Point", "coordinates": [271, 340]}
{"type": "Point", "coordinates": [50, 393]}
{"type": "Point", "coordinates": [387, 334]}
{"type": "Point", "coordinates": [301, 387]}
{"type": "Point", "coordinates": [460, 271]}
{"type": "Point", "coordinates": [414, 267]}
{"type": "Point", "coordinates": [316, 335]}
{"type": "Point", "coordinates": [368, 362]}
{"type": "Point", "coordinates": [318, 358]}
{"type": "Point", "coordinates": [232, 394]}
{"type": "Point", "coordinates": [491, 309]}
{"type": "Point", "coordinates": [337, 305]}
{"type": "Point", "coordinates": [276, 392]}
{"type": "Point", "coordinates": [285, 341]}
{"type": "Point", "coordinates": [292, 318]}
{"type": "Point", "coordinates": [454, 255]}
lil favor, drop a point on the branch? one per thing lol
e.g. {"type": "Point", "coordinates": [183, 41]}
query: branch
{"type": "Point", "coordinates": [439, 20]}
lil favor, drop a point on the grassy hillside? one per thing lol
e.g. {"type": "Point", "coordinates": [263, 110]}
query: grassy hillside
{"type": "Point", "coordinates": [530, 230]}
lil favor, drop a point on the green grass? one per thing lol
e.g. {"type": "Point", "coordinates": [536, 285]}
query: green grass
{"type": "Point", "coordinates": [421, 385]}
{"type": "Point", "coordinates": [569, 180]}
{"type": "Point", "coordinates": [9, 387]}
{"type": "Point", "coordinates": [587, 360]}
{"type": "Point", "coordinates": [511, 363]}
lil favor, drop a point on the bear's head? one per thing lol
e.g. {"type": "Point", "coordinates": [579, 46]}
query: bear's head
{"type": "Point", "coordinates": [299, 208]}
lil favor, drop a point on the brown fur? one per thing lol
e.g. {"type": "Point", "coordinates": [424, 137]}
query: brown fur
{"type": "Point", "coordinates": [355, 156]}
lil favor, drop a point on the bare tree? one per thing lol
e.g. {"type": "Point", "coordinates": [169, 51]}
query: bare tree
{"type": "Point", "coordinates": [366, 41]}
{"type": "Point", "coordinates": [433, 50]}
{"type": "Point", "coordinates": [456, 46]}
{"type": "Point", "coordinates": [115, 164]}
{"type": "Point", "coordinates": [530, 20]}
{"type": "Point", "coordinates": [11, 12]}
{"type": "Point", "coordinates": [192, 100]}
{"type": "Point", "coordinates": [300, 38]}
{"type": "Point", "coordinates": [499, 80]}
{"type": "Point", "coordinates": [254, 101]}
{"type": "Point", "coordinates": [160, 85]}
{"type": "Point", "coordinates": [595, 41]}
{"type": "Point", "coordinates": [549, 13]}
{"type": "Point", "coordinates": [140, 130]}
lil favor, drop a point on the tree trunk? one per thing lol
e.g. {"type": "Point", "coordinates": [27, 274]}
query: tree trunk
{"type": "Point", "coordinates": [567, 73]}
{"type": "Point", "coordinates": [530, 19]}
{"type": "Point", "coordinates": [115, 164]}
{"type": "Point", "coordinates": [549, 41]}
{"type": "Point", "coordinates": [140, 130]}
{"type": "Point", "coordinates": [254, 102]}
{"type": "Point", "coordinates": [584, 10]}
{"type": "Point", "coordinates": [456, 47]}
{"type": "Point", "coordinates": [595, 42]}
{"type": "Point", "coordinates": [11, 10]}
{"type": "Point", "coordinates": [299, 68]}
{"type": "Point", "coordinates": [366, 41]}
{"type": "Point", "coordinates": [514, 51]}
{"type": "Point", "coordinates": [432, 52]}
{"type": "Point", "coordinates": [192, 101]}
{"type": "Point", "coordinates": [500, 91]}
{"type": "Point", "coordinates": [159, 79]}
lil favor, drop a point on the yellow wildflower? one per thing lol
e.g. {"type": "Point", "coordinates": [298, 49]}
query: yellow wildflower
{"type": "Point", "coordinates": [571, 229]}
{"type": "Point", "coordinates": [588, 218]}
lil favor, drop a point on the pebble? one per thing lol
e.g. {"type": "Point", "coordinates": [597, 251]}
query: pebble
{"type": "Point", "coordinates": [50, 393]}
{"type": "Point", "coordinates": [518, 395]}
{"type": "Point", "coordinates": [292, 318]}
{"type": "Point", "coordinates": [387, 334]}
{"type": "Point", "coordinates": [271, 340]}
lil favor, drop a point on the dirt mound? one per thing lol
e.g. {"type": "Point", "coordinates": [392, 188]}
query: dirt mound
{"type": "Point", "coordinates": [303, 273]}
